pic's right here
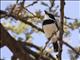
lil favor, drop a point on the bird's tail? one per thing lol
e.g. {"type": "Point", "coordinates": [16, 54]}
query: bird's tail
{"type": "Point", "coordinates": [55, 46]}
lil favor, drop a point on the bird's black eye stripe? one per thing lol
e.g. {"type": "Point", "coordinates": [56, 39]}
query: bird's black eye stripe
{"type": "Point", "coordinates": [48, 22]}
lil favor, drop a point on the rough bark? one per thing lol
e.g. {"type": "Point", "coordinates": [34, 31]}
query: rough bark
{"type": "Point", "coordinates": [14, 46]}
{"type": "Point", "coordinates": [61, 29]}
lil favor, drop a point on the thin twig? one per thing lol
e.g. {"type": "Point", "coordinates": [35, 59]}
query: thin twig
{"type": "Point", "coordinates": [71, 47]}
{"type": "Point", "coordinates": [21, 19]}
{"type": "Point", "coordinates": [66, 17]}
{"type": "Point", "coordinates": [29, 11]}
{"type": "Point", "coordinates": [52, 4]}
{"type": "Point", "coordinates": [42, 50]}
{"type": "Point", "coordinates": [36, 47]}
{"type": "Point", "coordinates": [31, 4]}
{"type": "Point", "coordinates": [49, 39]}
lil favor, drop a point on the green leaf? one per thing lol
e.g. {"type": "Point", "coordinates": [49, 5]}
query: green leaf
{"type": "Point", "coordinates": [28, 36]}
{"type": "Point", "coordinates": [78, 23]}
{"type": "Point", "coordinates": [65, 21]}
{"type": "Point", "coordinates": [67, 33]}
{"type": "Point", "coordinates": [38, 15]}
{"type": "Point", "coordinates": [71, 26]}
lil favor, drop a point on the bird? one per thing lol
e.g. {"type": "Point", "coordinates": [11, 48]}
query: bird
{"type": "Point", "coordinates": [50, 29]}
{"type": "Point", "coordinates": [51, 16]}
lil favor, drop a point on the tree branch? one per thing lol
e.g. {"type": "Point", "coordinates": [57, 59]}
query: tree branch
{"type": "Point", "coordinates": [21, 19]}
{"type": "Point", "coordinates": [6, 14]}
{"type": "Point", "coordinates": [34, 46]}
{"type": "Point", "coordinates": [13, 57]}
{"type": "Point", "coordinates": [61, 29]}
{"type": "Point", "coordinates": [14, 46]}
{"type": "Point", "coordinates": [36, 55]}
{"type": "Point", "coordinates": [18, 48]}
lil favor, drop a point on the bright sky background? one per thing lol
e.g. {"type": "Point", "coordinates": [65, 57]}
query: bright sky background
{"type": "Point", "coordinates": [71, 10]}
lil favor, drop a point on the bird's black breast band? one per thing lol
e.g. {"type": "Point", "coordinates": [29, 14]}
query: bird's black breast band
{"type": "Point", "coordinates": [48, 21]}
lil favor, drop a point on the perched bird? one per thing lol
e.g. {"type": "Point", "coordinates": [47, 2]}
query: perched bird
{"type": "Point", "coordinates": [51, 16]}
{"type": "Point", "coordinates": [50, 29]}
